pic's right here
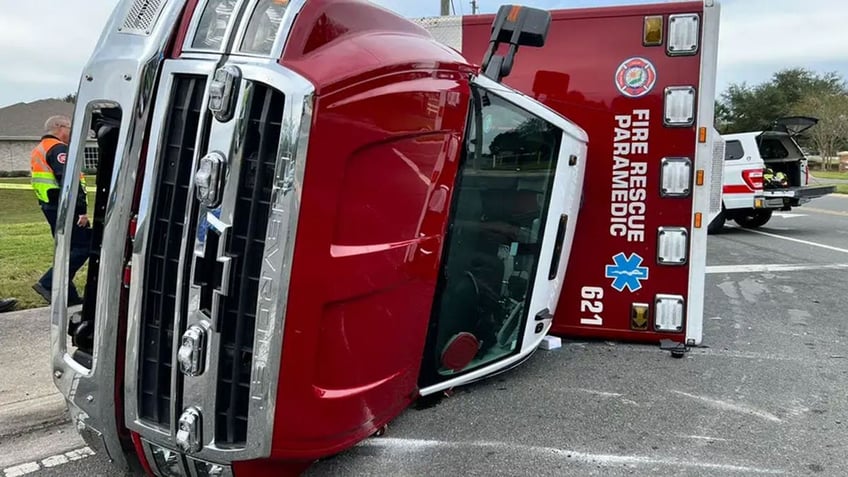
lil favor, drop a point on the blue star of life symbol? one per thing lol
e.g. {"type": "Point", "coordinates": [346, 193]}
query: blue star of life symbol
{"type": "Point", "coordinates": [627, 272]}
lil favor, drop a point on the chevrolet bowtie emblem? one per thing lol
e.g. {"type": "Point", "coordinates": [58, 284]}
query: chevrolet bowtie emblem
{"type": "Point", "coordinates": [208, 179]}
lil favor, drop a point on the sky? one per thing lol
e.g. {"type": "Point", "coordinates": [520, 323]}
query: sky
{"type": "Point", "coordinates": [44, 44]}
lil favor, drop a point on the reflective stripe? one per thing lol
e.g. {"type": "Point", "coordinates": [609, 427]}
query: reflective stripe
{"type": "Point", "coordinates": [37, 180]}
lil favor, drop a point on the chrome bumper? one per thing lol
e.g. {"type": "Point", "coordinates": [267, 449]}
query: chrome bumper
{"type": "Point", "coordinates": [122, 70]}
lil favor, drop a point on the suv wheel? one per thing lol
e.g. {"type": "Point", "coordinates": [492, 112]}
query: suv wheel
{"type": "Point", "coordinates": [754, 219]}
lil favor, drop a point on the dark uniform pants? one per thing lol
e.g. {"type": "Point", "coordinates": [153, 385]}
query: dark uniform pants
{"type": "Point", "coordinates": [80, 245]}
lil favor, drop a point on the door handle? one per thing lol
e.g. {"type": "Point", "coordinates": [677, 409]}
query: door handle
{"type": "Point", "coordinates": [560, 238]}
{"type": "Point", "coordinates": [544, 315]}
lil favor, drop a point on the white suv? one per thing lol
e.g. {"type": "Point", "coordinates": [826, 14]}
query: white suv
{"type": "Point", "coordinates": [750, 160]}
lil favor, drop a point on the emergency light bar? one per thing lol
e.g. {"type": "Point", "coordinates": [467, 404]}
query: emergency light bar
{"type": "Point", "coordinates": [518, 26]}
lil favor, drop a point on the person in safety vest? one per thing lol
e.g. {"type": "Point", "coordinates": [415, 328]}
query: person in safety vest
{"type": "Point", "coordinates": [48, 169]}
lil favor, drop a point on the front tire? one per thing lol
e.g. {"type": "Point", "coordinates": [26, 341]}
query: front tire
{"type": "Point", "coordinates": [754, 219]}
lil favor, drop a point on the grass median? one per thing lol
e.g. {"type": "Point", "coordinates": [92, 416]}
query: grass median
{"type": "Point", "coordinates": [830, 175]}
{"type": "Point", "coordinates": [26, 246]}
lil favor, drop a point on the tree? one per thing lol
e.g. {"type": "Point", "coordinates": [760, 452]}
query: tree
{"type": "Point", "coordinates": [723, 116]}
{"type": "Point", "coordinates": [70, 98]}
{"type": "Point", "coordinates": [750, 108]}
{"type": "Point", "coordinates": [831, 133]}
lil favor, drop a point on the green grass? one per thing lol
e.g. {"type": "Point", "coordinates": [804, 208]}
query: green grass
{"type": "Point", "coordinates": [842, 188]}
{"type": "Point", "coordinates": [26, 247]}
{"type": "Point", "coordinates": [830, 175]}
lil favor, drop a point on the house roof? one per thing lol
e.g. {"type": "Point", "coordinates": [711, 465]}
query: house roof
{"type": "Point", "coordinates": [26, 120]}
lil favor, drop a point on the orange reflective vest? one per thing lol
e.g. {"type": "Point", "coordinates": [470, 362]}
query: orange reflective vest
{"type": "Point", "coordinates": [43, 177]}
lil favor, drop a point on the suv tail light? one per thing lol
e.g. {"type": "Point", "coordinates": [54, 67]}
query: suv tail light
{"type": "Point", "coordinates": [754, 178]}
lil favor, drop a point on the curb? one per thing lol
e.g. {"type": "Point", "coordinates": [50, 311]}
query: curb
{"type": "Point", "coordinates": [25, 416]}
{"type": "Point", "coordinates": [28, 398]}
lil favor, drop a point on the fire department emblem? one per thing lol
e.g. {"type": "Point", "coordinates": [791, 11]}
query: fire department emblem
{"type": "Point", "coordinates": [62, 157]}
{"type": "Point", "coordinates": [635, 77]}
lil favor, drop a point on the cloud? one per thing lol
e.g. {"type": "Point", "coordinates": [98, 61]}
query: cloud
{"type": "Point", "coordinates": [44, 50]}
{"type": "Point", "coordinates": [760, 37]}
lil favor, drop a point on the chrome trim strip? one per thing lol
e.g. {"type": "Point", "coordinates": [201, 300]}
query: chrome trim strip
{"type": "Point", "coordinates": [276, 270]}
{"type": "Point", "coordinates": [275, 276]}
{"type": "Point", "coordinates": [122, 69]}
{"type": "Point", "coordinates": [181, 322]}
{"type": "Point", "coordinates": [141, 246]}
{"type": "Point", "coordinates": [201, 391]}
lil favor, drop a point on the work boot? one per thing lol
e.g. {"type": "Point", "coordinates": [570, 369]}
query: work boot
{"type": "Point", "coordinates": [43, 292]}
{"type": "Point", "coordinates": [73, 298]}
{"type": "Point", "coordinates": [7, 304]}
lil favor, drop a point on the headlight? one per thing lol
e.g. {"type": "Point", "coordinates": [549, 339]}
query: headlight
{"type": "Point", "coordinates": [213, 25]}
{"type": "Point", "coordinates": [263, 27]}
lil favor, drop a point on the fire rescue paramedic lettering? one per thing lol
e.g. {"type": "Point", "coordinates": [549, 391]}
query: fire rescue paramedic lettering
{"type": "Point", "coordinates": [629, 177]}
{"type": "Point", "coordinates": [48, 169]}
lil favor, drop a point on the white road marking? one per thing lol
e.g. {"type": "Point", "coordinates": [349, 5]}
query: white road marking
{"type": "Point", "coordinates": [785, 215]}
{"type": "Point", "coordinates": [79, 453]}
{"type": "Point", "coordinates": [417, 445]}
{"type": "Point", "coordinates": [22, 469]}
{"type": "Point", "coordinates": [764, 267]}
{"type": "Point", "coordinates": [599, 393]}
{"type": "Point", "coordinates": [728, 406]}
{"type": "Point", "coordinates": [827, 212]}
{"type": "Point", "coordinates": [54, 461]}
{"type": "Point", "coordinates": [805, 242]}
{"type": "Point", "coordinates": [706, 438]}
{"type": "Point", "coordinates": [48, 462]}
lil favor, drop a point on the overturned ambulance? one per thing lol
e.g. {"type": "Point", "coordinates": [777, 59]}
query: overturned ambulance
{"type": "Point", "coordinates": [309, 213]}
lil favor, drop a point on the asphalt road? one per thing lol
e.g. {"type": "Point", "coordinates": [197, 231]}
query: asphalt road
{"type": "Point", "coordinates": [764, 395]}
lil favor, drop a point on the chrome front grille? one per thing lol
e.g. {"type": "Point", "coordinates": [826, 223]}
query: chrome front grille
{"type": "Point", "coordinates": [215, 272]}
{"type": "Point", "coordinates": [171, 198]}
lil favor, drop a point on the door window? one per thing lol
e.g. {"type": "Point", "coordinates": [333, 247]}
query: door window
{"type": "Point", "coordinates": [733, 150]}
{"type": "Point", "coordinates": [498, 217]}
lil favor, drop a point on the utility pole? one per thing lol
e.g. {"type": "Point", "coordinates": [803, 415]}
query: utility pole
{"type": "Point", "coordinates": [445, 8]}
{"type": "Point", "coordinates": [473, 7]}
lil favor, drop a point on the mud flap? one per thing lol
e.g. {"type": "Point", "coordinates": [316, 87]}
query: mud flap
{"type": "Point", "coordinates": [677, 350]}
